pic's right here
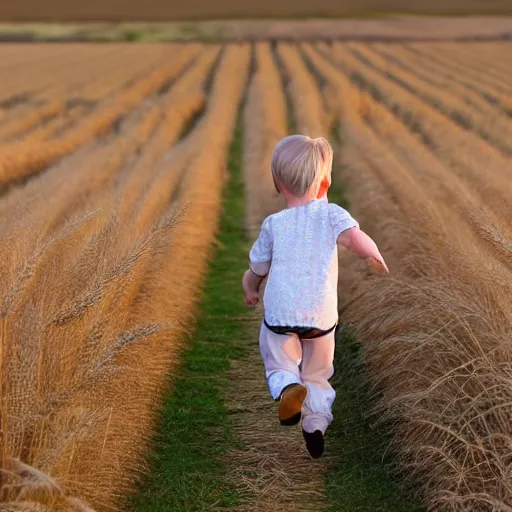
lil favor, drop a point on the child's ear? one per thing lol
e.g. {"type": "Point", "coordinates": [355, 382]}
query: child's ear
{"type": "Point", "coordinates": [324, 187]}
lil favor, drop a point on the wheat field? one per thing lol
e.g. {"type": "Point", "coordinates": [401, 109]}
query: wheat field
{"type": "Point", "coordinates": [112, 166]}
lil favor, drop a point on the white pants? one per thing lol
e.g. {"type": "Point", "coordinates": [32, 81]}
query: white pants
{"type": "Point", "coordinates": [289, 360]}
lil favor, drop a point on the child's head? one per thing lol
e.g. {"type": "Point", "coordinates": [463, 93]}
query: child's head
{"type": "Point", "coordinates": [300, 163]}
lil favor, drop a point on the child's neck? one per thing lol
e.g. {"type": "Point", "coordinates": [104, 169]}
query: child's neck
{"type": "Point", "coordinates": [294, 201]}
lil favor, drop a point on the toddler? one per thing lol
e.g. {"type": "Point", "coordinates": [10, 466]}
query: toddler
{"type": "Point", "coordinates": [297, 249]}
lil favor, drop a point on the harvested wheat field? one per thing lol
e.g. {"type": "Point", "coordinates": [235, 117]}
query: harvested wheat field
{"type": "Point", "coordinates": [125, 170]}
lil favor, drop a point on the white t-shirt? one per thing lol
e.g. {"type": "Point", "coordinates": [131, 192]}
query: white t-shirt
{"type": "Point", "coordinates": [297, 247]}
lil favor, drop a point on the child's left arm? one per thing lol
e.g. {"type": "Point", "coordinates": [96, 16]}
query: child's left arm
{"type": "Point", "coordinates": [349, 235]}
{"type": "Point", "coordinates": [363, 247]}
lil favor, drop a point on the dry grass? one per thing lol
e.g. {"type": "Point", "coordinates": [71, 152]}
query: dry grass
{"type": "Point", "coordinates": [310, 116]}
{"type": "Point", "coordinates": [23, 158]}
{"type": "Point", "coordinates": [264, 125]}
{"type": "Point", "coordinates": [93, 312]}
{"type": "Point", "coordinates": [436, 334]}
{"type": "Point", "coordinates": [103, 256]}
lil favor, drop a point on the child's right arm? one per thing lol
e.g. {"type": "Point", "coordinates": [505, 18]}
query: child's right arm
{"type": "Point", "coordinates": [364, 247]}
{"type": "Point", "coordinates": [251, 283]}
{"type": "Point", "coordinates": [260, 259]}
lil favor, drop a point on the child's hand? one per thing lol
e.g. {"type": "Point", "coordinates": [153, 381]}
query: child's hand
{"type": "Point", "coordinates": [251, 299]}
{"type": "Point", "coordinates": [251, 286]}
{"type": "Point", "coordinates": [378, 266]}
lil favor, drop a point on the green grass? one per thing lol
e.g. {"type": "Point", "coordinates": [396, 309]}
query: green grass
{"type": "Point", "coordinates": [207, 30]}
{"type": "Point", "coordinates": [361, 480]}
{"type": "Point", "coordinates": [187, 472]}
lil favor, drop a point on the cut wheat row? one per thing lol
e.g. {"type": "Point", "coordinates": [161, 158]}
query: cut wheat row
{"type": "Point", "coordinates": [72, 85]}
{"type": "Point", "coordinates": [491, 250]}
{"type": "Point", "coordinates": [33, 118]}
{"type": "Point", "coordinates": [24, 78]}
{"type": "Point", "coordinates": [75, 66]}
{"type": "Point", "coordinates": [106, 74]}
{"type": "Point", "coordinates": [126, 327]}
{"type": "Point", "coordinates": [496, 80]}
{"type": "Point", "coordinates": [149, 193]}
{"type": "Point", "coordinates": [118, 73]}
{"type": "Point", "coordinates": [76, 84]}
{"type": "Point", "coordinates": [463, 151]}
{"type": "Point", "coordinates": [454, 79]}
{"type": "Point", "coordinates": [19, 160]}
{"type": "Point", "coordinates": [90, 168]}
{"type": "Point", "coordinates": [498, 130]}
{"type": "Point", "coordinates": [94, 167]}
{"type": "Point", "coordinates": [309, 112]}
{"type": "Point", "coordinates": [59, 125]}
{"type": "Point", "coordinates": [481, 79]}
{"type": "Point", "coordinates": [491, 59]}
{"type": "Point", "coordinates": [132, 179]}
{"type": "Point", "coordinates": [265, 123]}
{"type": "Point", "coordinates": [441, 77]}
{"type": "Point", "coordinates": [437, 53]}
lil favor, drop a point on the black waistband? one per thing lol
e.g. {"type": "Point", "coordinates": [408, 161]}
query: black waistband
{"type": "Point", "coordinates": [304, 333]}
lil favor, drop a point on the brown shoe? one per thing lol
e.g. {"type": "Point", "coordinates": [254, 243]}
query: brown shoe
{"type": "Point", "coordinates": [290, 404]}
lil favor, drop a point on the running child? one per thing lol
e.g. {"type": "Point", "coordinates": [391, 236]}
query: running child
{"type": "Point", "coordinates": [297, 250]}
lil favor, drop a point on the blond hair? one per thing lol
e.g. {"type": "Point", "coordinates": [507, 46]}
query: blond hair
{"type": "Point", "coordinates": [298, 162]}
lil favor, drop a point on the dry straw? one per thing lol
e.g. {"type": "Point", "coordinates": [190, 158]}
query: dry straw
{"type": "Point", "coordinates": [95, 313]}
{"type": "Point", "coordinates": [310, 116]}
{"type": "Point", "coordinates": [436, 335]}
{"type": "Point", "coordinates": [264, 126]}
{"type": "Point", "coordinates": [21, 159]}
{"type": "Point", "coordinates": [439, 132]}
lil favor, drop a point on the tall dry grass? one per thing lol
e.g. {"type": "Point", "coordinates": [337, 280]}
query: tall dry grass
{"type": "Point", "coordinates": [95, 316]}
{"type": "Point", "coordinates": [436, 335]}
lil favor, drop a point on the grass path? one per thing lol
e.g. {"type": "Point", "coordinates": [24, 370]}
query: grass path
{"type": "Point", "coordinates": [220, 446]}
